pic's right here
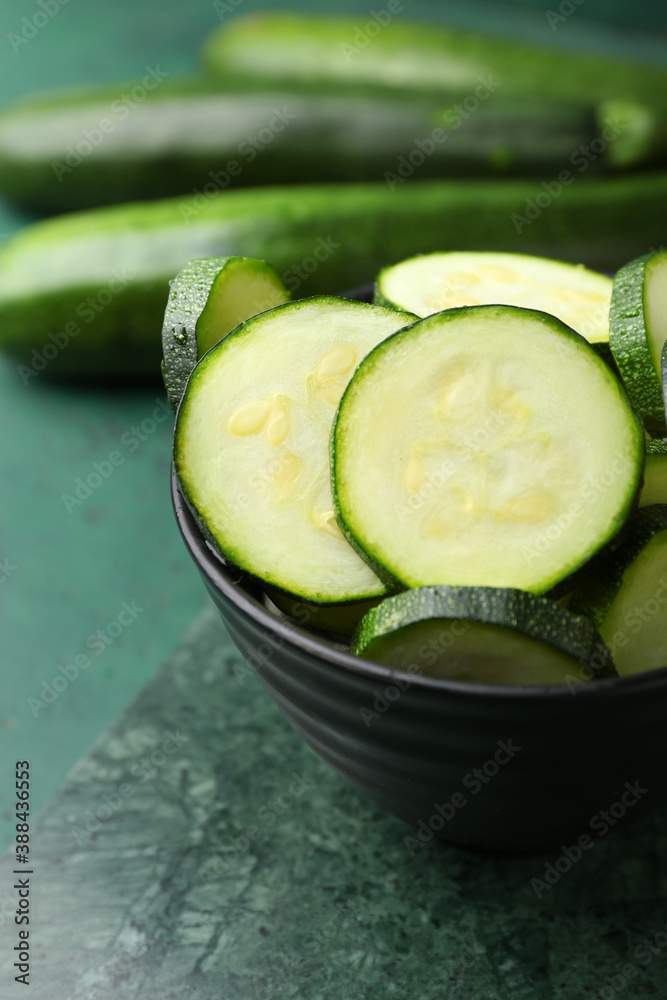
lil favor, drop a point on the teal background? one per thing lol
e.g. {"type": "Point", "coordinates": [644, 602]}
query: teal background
{"type": "Point", "coordinates": [74, 570]}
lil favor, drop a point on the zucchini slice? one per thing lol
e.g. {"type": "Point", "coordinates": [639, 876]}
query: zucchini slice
{"type": "Point", "coordinates": [340, 618]}
{"type": "Point", "coordinates": [483, 634]}
{"type": "Point", "coordinates": [433, 282]}
{"type": "Point", "coordinates": [208, 298]}
{"type": "Point", "coordinates": [625, 593]}
{"type": "Point", "coordinates": [251, 444]}
{"type": "Point", "coordinates": [638, 333]}
{"type": "Point", "coordinates": [654, 490]}
{"type": "Point", "coordinates": [484, 446]}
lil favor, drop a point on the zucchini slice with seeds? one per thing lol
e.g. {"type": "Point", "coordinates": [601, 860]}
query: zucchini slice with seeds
{"type": "Point", "coordinates": [484, 446]}
{"type": "Point", "coordinates": [251, 444]}
{"type": "Point", "coordinates": [484, 634]}
{"type": "Point", "coordinates": [208, 298]}
{"type": "Point", "coordinates": [624, 592]}
{"type": "Point", "coordinates": [433, 282]}
{"type": "Point", "coordinates": [638, 322]}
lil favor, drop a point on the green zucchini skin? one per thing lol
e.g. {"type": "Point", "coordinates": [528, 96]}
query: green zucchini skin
{"type": "Point", "coordinates": [97, 282]}
{"type": "Point", "coordinates": [188, 298]}
{"type": "Point", "coordinates": [416, 56]}
{"type": "Point", "coordinates": [188, 295]}
{"type": "Point", "coordinates": [192, 135]}
{"type": "Point", "coordinates": [599, 584]}
{"type": "Point", "coordinates": [533, 616]}
{"type": "Point", "coordinates": [630, 346]}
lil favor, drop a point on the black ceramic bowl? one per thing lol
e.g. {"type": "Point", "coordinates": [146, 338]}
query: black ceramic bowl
{"type": "Point", "coordinates": [503, 768]}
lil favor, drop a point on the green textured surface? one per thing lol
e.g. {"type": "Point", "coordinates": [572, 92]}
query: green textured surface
{"type": "Point", "coordinates": [74, 571]}
{"type": "Point", "coordinates": [207, 879]}
{"type": "Point", "coordinates": [535, 617]}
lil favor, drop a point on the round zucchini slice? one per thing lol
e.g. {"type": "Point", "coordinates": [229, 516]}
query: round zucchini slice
{"type": "Point", "coordinates": [624, 591]}
{"type": "Point", "coordinates": [486, 634]}
{"type": "Point", "coordinates": [638, 333]}
{"type": "Point", "coordinates": [654, 490]}
{"type": "Point", "coordinates": [436, 281]}
{"type": "Point", "coordinates": [252, 437]}
{"type": "Point", "coordinates": [208, 299]}
{"type": "Point", "coordinates": [484, 446]}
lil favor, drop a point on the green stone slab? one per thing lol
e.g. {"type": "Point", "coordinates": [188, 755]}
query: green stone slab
{"type": "Point", "coordinates": [236, 866]}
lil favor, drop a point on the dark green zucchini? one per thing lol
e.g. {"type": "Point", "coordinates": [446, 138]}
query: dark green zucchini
{"type": "Point", "coordinates": [207, 300]}
{"type": "Point", "coordinates": [483, 634]}
{"type": "Point", "coordinates": [638, 332]}
{"type": "Point", "coordinates": [95, 146]}
{"type": "Point", "coordinates": [84, 295]}
{"type": "Point", "coordinates": [404, 55]}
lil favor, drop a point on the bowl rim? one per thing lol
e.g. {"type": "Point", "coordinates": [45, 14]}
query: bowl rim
{"type": "Point", "coordinates": [225, 578]}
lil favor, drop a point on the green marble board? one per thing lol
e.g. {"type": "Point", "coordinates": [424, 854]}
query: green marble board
{"type": "Point", "coordinates": [200, 850]}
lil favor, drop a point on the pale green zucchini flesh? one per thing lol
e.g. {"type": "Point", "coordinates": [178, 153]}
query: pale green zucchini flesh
{"type": "Point", "coordinates": [483, 634]}
{"type": "Point", "coordinates": [251, 444]}
{"type": "Point", "coordinates": [433, 282]}
{"type": "Point", "coordinates": [625, 593]}
{"type": "Point", "coordinates": [654, 490]}
{"type": "Point", "coordinates": [484, 446]}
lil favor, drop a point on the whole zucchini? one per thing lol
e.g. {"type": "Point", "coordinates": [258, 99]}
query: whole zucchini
{"type": "Point", "coordinates": [96, 146]}
{"type": "Point", "coordinates": [84, 294]}
{"type": "Point", "coordinates": [384, 48]}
